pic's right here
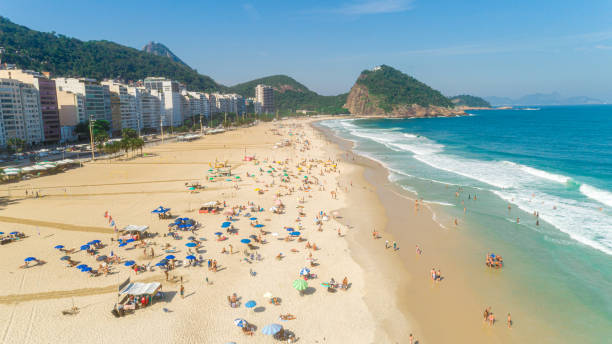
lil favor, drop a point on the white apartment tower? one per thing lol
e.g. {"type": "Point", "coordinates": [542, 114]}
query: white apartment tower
{"type": "Point", "coordinates": [20, 112]}
{"type": "Point", "coordinates": [169, 90]}
{"type": "Point", "coordinates": [265, 96]}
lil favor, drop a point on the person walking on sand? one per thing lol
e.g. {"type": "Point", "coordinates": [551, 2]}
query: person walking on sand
{"type": "Point", "coordinates": [411, 338]}
{"type": "Point", "coordinates": [491, 319]}
{"type": "Point", "coordinates": [386, 244]}
{"type": "Point", "coordinates": [182, 291]}
{"type": "Point", "coordinates": [509, 321]}
{"type": "Point", "coordinates": [394, 246]}
{"type": "Point", "coordinates": [433, 274]}
{"type": "Point", "coordinates": [486, 313]}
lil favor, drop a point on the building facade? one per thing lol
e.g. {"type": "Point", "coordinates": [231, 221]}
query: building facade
{"type": "Point", "coordinates": [169, 90]}
{"type": "Point", "coordinates": [20, 112]}
{"type": "Point", "coordinates": [48, 99]}
{"type": "Point", "coordinates": [97, 97]}
{"type": "Point", "coordinates": [265, 96]}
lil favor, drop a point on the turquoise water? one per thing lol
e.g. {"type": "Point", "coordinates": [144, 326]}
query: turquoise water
{"type": "Point", "coordinates": [556, 161]}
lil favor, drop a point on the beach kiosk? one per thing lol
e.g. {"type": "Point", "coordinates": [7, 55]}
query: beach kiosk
{"type": "Point", "coordinates": [211, 207]}
{"type": "Point", "coordinates": [135, 232]}
{"type": "Point", "coordinates": [135, 295]}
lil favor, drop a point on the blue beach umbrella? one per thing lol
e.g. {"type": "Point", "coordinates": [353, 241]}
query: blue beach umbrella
{"type": "Point", "coordinates": [81, 266]}
{"type": "Point", "coordinates": [191, 244]}
{"type": "Point", "coordinates": [13, 233]}
{"type": "Point", "coordinates": [250, 304]}
{"type": "Point", "coordinates": [290, 229]}
{"type": "Point", "coordinates": [226, 224]}
{"type": "Point", "coordinates": [304, 271]}
{"type": "Point", "coordinates": [162, 263]}
{"type": "Point", "coordinates": [85, 247]}
{"type": "Point", "coordinates": [271, 329]}
{"type": "Point", "coordinates": [86, 269]}
{"type": "Point", "coordinates": [1, 233]}
{"type": "Point", "coordinates": [129, 263]}
{"type": "Point", "coordinates": [170, 256]}
{"type": "Point", "coordinates": [191, 257]}
{"type": "Point", "coordinates": [129, 240]}
{"type": "Point", "coordinates": [245, 241]}
{"type": "Point", "coordinates": [123, 244]}
{"type": "Point", "coordinates": [253, 218]}
{"type": "Point", "coordinates": [295, 233]}
{"type": "Point", "coordinates": [65, 258]}
{"type": "Point", "coordinates": [100, 258]}
{"type": "Point", "coordinates": [218, 233]}
{"type": "Point", "coordinates": [29, 259]}
{"type": "Point", "coordinates": [258, 225]}
{"type": "Point", "coordinates": [94, 242]}
{"type": "Point", "coordinates": [59, 247]}
{"type": "Point", "coordinates": [240, 322]}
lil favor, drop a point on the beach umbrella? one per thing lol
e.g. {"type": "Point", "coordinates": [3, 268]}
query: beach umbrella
{"type": "Point", "coordinates": [59, 247]}
{"type": "Point", "coordinates": [129, 240]}
{"type": "Point", "coordinates": [267, 295]}
{"type": "Point", "coordinates": [1, 233]}
{"type": "Point", "coordinates": [290, 229]}
{"type": "Point", "coordinates": [86, 269]}
{"type": "Point", "coordinates": [100, 258]}
{"type": "Point", "coordinates": [271, 329]}
{"type": "Point", "coordinates": [300, 285]}
{"type": "Point", "coordinates": [245, 241]}
{"type": "Point", "coordinates": [14, 233]}
{"type": "Point", "coordinates": [129, 263]}
{"type": "Point", "coordinates": [258, 225]}
{"type": "Point", "coordinates": [226, 224]}
{"type": "Point", "coordinates": [122, 244]}
{"type": "Point", "coordinates": [85, 247]}
{"type": "Point", "coordinates": [29, 259]}
{"type": "Point", "coordinates": [295, 233]}
{"type": "Point", "coordinates": [170, 256]}
{"type": "Point", "coordinates": [161, 263]}
{"type": "Point", "coordinates": [304, 271]}
{"type": "Point", "coordinates": [81, 266]}
{"type": "Point", "coordinates": [191, 257]}
{"type": "Point", "coordinates": [218, 233]}
{"type": "Point", "coordinates": [250, 304]}
{"type": "Point", "coordinates": [253, 218]}
{"type": "Point", "coordinates": [94, 242]}
{"type": "Point", "coordinates": [191, 244]}
{"type": "Point", "coordinates": [240, 322]}
{"type": "Point", "coordinates": [253, 236]}
{"type": "Point", "coordinates": [65, 258]}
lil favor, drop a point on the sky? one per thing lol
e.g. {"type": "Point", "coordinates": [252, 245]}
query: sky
{"type": "Point", "coordinates": [479, 47]}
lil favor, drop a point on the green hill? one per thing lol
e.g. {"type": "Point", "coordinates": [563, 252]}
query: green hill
{"type": "Point", "coordinates": [290, 95]}
{"type": "Point", "coordinates": [65, 56]}
{"type": "Point", "coordinates": [387, 91]}
{"type": "Point", "coordinates": [467, 100]}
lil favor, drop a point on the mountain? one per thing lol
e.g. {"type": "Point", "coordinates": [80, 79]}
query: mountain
{"type": "Point", "coordinates": [65, 56]}
{"type": "Point", "coordinates": [290, 95]}
{"type": "Point", "coordinates": [161, 50]}
{"type": "Point", "coordinates": [466, 100]}
{"type": "Point", "coordinates": [389, 92]}
{"type": "Point", "coordinates": [543, 99]}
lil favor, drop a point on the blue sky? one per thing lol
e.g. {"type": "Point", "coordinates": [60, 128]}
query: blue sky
{"type": "Point", "coordinates": [485, 47]}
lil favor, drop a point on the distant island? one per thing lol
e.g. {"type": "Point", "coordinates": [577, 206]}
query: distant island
{"type": "Point", "coordinates": [385, 91]}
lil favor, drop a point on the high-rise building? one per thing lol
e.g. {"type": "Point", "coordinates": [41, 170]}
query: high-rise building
{"type": "Point", "coordinates": [212, 103]}
{"type": "Point", "coordinates": [265, 95]}
{"type": "Point", "coordinates": [20, 112]}
{"type": "Point", "coordinates": [97, 97]}
{"type": "Point", "coordinates": [71, 108]}
{"type": "Point", "coordinates": [151, 108]}
{"type": "Point", "coordinates": [125, 106]}
{"type": "Point", "coordinates": [170, 92]}
{"type": "Point", "coordinates": [48, 99]}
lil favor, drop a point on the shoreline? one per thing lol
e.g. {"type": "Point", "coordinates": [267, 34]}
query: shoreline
{"type": "Point", "coordinates": [451, 309]}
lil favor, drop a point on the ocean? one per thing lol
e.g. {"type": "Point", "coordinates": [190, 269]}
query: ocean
{"type": "Point", "coordinates": [532, 184]}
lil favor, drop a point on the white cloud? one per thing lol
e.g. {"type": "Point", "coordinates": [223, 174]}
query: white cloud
{"type": "Point", "coordinates": [365, 7]}
{"type": "Point", "coordinates": [603, 47]}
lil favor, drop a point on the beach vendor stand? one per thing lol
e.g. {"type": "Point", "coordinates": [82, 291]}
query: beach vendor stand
{"type": "Point", "coordinates": [211, 207]}
{"type": "Point", "coordinates": [135, 295]}
{"type": "Point", "coordinates": [136, 232]}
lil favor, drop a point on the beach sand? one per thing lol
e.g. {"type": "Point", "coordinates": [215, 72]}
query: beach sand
{"type": "Point", "coordinates": [391, 294]}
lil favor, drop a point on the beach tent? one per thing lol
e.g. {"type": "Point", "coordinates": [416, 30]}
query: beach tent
{"type": "Point", "coordinates": [138, 288]}
{"type": "Point", "coordinates": [135, 228]}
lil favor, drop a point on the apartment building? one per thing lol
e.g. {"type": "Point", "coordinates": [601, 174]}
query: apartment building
{"type": "Point", "coordinates": [265, 96]}
{"type": "Point", "coordinates": [20, 112]}
{"type": "Point", "coordinates": [96, 96]}
{"type": "Point", "coordinates": [48, 99]}
{"type": "Point", "coordinates": [169, 90]}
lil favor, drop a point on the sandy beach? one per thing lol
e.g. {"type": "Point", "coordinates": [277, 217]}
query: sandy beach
{"type": "Point", "coordinates": [70, 211]}
{"type": "Point", "coordinates": [390, 296]}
